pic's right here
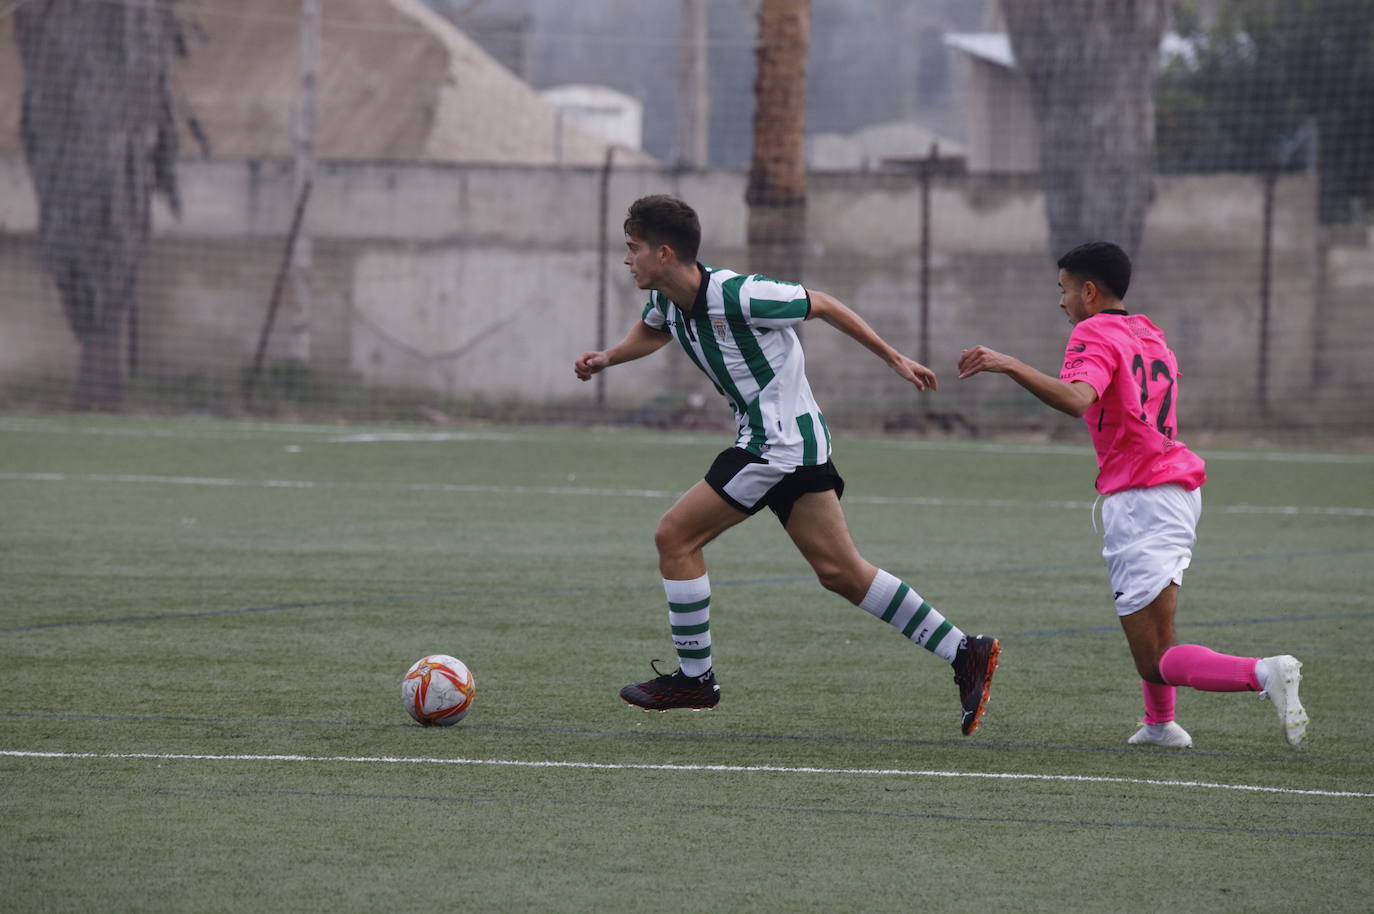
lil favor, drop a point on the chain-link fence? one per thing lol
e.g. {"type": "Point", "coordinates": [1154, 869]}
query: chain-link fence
{"type": "Point", "coordinates": [390, 209]}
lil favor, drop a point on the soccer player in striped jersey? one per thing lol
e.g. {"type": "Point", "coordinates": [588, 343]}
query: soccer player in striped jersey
{"type": "Point", "coordinates": [1122, 378]}
{"type": "Point", "coordinates": [740, 331]}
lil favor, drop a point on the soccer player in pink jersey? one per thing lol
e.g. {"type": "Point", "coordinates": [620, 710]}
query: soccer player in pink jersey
{"type": "Point", "coordinates": [1120, 376]}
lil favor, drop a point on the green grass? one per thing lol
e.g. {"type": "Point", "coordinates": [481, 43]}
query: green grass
{"type": "Point", "coordinates": [165, 592]}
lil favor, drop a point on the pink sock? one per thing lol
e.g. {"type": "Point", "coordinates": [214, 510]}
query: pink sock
{"type": "Point", "coordinates": [1159, 702]}
{"type": "Point", "coordinates": [1203, 668]}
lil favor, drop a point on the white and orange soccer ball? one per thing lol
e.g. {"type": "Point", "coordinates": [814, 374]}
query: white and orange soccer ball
{"type": "Point", "coordinates": [438, 690]}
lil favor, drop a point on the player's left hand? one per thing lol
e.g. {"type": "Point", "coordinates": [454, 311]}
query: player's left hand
{"type": "Point", "coordinates": [915, 372]}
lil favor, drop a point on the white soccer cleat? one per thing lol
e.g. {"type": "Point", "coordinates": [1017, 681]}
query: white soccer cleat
{"type": "Point", "coordinates": [1278, 678]}
{"type": "Point", "coordinates": [1168, 734]}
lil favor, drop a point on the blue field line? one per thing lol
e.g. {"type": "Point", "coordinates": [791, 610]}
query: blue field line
{"type": "Point", "coordinates": [1213, 623]}
{"type": "Point", "coordinates": [344, 604]}
{"type": "Point", "coordinates": [742, 582]}
{"type": "Point", "coordinates": [726, 807]}
{"type": "Point", "coordinates": [217, 613]}
{"type": "Point", "coordinates": [656, 735]}
{"type": "Point", "coordinates": [1203, 560]}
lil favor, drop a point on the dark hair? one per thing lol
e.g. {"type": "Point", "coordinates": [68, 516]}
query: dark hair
{"type": "Point", "coordinates": [1102, 262]}
{"type": "Point", "coordinates": [661, 219]}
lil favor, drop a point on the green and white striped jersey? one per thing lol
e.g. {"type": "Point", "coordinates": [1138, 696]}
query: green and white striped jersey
{"type": "Point", "coordinates": [740, 333]}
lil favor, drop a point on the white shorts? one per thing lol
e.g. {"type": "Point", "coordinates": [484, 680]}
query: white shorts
{"type": "Point", "coordinates": [1147, 540]}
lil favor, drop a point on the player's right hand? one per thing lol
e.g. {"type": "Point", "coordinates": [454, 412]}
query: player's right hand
{"type": "Point", "coordinates": [588, 364]}
{"type": "Point", "coordinates": [981, 358]}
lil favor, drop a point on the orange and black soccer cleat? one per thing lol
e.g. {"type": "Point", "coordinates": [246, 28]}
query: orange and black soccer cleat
{"type": "Point", "coordinates": [973, 668]}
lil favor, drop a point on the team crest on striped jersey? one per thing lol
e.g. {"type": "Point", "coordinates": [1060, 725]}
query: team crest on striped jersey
{"type": "Point", "coordinates": [718, 327]}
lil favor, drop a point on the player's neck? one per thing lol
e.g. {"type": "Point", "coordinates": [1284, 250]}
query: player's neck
{"type": "Point", "coordinates": [1106, 306]}
{"type": "Point", "coordinates": [682, 285]}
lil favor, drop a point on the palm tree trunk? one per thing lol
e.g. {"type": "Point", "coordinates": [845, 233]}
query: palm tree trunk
{"type": "Point", "coordinates": [777, 175]}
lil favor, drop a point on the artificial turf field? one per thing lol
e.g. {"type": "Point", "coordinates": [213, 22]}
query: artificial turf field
{"type": "Point", "coordinates": [204, 625]}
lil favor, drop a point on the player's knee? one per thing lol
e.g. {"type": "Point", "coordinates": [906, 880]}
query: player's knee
{"type": "Point", "coordinates": [841, 580]}
{"type": "Point", "coordinates": [1148, 668]}
{"type": "Point", "coordinates": [670, 539]}
{"type": "Point", "coordinates": [665, 537]}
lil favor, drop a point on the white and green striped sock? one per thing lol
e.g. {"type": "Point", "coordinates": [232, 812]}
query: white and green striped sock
{"type": "Point", "coordinates": [689, 616]}
{"type": "Point", "coordinates": [897, 604]}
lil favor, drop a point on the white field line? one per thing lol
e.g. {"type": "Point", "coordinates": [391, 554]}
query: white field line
{"type": "Point", "coordinates": [1069, 450]}
{"type": "Point", "coordinates": [626, 493]}
{"type": "Point", "coordinates": [741, 769]}
{"type": "Point", "coordinates": [333, 434]}
{"type": "Point", "coordinates": [317, 484]}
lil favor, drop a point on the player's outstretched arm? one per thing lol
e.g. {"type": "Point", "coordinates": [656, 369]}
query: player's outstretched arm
{"type": "Point", "coordinates": [1072, 398]}
{"type": "Point", "coordinates": [844, 319]}
{"type": "Point", "coordinates": [642, 340]}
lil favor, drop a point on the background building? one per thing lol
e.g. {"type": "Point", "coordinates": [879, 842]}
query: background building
{"type": "Point", "coordinates": [872, 62]}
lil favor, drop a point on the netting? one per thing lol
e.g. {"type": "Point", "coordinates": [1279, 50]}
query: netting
{"type": "Point", "coordinates": [394, 210]}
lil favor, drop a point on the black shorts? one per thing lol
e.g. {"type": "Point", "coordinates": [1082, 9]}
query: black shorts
{"type": "Point", "coordinates": [751, 483]}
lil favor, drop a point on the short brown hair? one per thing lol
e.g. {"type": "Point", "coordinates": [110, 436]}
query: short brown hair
{"type": "Point", "coordinates": [661, 219]}
{"type": "Point", "coordinates": [1102, 262]}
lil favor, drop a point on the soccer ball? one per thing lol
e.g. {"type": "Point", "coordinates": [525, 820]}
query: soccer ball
{"type": "Point", "coordinates": [438, 690]}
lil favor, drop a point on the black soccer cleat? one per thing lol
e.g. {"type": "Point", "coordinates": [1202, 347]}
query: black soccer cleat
{"type": "Point", "coordinates": [973, 668]}
{"type": "Point", "coordinates": [674, 690]}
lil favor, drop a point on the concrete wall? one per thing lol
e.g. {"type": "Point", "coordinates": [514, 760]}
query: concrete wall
{"type": "Point", "coordinates": [480, 283]}
{"type": "Point", "coordinates": [1345, 326]}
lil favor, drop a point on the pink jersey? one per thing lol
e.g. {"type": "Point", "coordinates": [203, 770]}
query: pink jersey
{"type": "Point", "coordinates": [1127, 361]}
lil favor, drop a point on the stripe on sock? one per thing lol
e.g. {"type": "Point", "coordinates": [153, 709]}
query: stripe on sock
{"type": "Point", "coordinates": [689, 621]}
{"type": "Point", "coordinates": [917, 618]}
{"type": "Point", "coordinates": [938, 636]}
{"type": "Point", "coordinates": [896, 601]}
{"type": "Point", "coordinates": [893, 601]}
